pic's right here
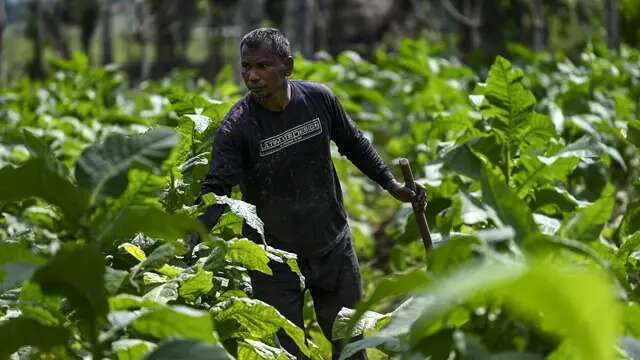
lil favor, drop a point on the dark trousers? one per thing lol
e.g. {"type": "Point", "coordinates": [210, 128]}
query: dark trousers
{"type": "Point", "coordinates": [333, 281]}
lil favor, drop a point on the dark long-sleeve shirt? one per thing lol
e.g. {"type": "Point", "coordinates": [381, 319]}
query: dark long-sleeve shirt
{"type": "Point", "coordinates": [282, 162]}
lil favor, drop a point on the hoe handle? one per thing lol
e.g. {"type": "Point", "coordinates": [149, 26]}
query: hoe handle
{"type": "Point", "coordinates": [418, 211]}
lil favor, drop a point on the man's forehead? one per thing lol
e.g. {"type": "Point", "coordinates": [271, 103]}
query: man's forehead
{"type": "Point", "coordinates": [262, 50]}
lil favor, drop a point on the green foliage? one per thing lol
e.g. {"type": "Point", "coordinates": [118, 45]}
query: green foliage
{"type": "Point", "coordinates": [35, 179]}
{"type": "Point", "coordinates": [19, 332]}
{"type": "Point", "coordinates": [167, 322]}
{"type": "Point", "coordinates": [531, 174]}
{"type": "Point", "coordinates": [103, 169]}
{"type": "Point", "coordinates": [188, 349]}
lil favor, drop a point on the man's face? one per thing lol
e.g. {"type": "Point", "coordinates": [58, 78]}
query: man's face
{"type": "Point", "coordinates": [263, 72]}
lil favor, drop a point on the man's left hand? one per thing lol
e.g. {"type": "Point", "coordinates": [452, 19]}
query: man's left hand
{"type": "Point", "coordinates": [403, 193]}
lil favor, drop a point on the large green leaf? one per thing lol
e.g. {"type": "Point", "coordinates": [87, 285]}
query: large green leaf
{"type": "Point", "coordinates": [552, 201]}
{"type": "Point", "coordinates": [36, 179]}
{"type": "Point", "coordinates": [242, 209]}
{"type": "Point", "coordinates": [128, 302]}
{"type": "Point", "coordinates": [588, 327]}
{"type": "Point", "coordinates": [158, 258]}
{"type": "Point", "coordinates": [256, 350]}
{"type": "Point", "coordinates": [131, 349]}
{"type": "Point", "coordinates": [143, 191]}
{"type": "Point", "coordinates": [370, 320]}
{"type": "Point", "coordinates": [17, 264]}
{"type": "Point", "coordinates": [511, 103]}
{"type": "Point", "coordinates": [35, 305]}
{"type": "Point", "coordinates": [18, 332]}
{"type": "Point", "coordinates": [77, 272]}
{"type": "Point", "coordinates": [464, 161]}
{"type": "Point", "coordinates": [249, 254]}
{"type": "Point", "coordinates": [253, 319]}
{"type": "Point", "coordinates": [179, 321]}
{"type": "Point", "coordinates": [587, 223]}
{"type": "Point", "coordinates": [150, 221]}
{"type": "Point", "coordinates": [104, 168]}
{"type": "Point", "coordinates": [164, 293]}
{"type": "Point", "coordinates": [631, 220]}
{"type": "Point", "coordinates": [534, 169]}
{"type": "Point", "coordinates": [38, 148]}
{"type": "Point", "coordinates": [188, 349]}
{"type": "Point", "coordinates": [392, 286]}
{"type": "Point", "coordinates": [113, 279]}
{"type": "Point", "coordinates": [196, 285]}
{"type": "Point", "coordinates": [510, 208]}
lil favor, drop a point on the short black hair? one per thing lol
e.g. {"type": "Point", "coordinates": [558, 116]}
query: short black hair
{"type": "Point", "coordinates": [273, 38]}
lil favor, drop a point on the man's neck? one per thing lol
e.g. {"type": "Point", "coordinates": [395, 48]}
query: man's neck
{"type": "Point", "coordinates": [278, 101]}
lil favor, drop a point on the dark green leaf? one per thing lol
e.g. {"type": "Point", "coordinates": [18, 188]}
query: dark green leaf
{"type": "Point", "coordinates": [150, 221]}
{"type": "Point", "coordinates": [77, 273]}
{"type": "Point", "coordinates": [179, 321]}
{"type": "Point", "coordinates": [631, 220]}
{"type": "Point", "coordinates": [188, 349]}
{"type": "Point", "coordinates": [510, 209]}
{"type": "Point", "coordinates": [164, 293]}
{"type": "Point", "coordinates": [17, 264]}
{"type": "Point", "coordinates": [34, 305]}
{"type": "Point", "coordinates": [511, 103]}
{"type": "Point", "coordinates": [35, 179]}
{"type": "Point", "coordinates": [113, 279]}
{"type": "Point", "coordinates": [255, 319]}
{"type": "Point", "coordinates": [196, 285]}
{"type": "Point", "coordinates": [463, 161]}
{"type": "Point", "coordinates": [368, 321]}
{"type": "Point", "coordinates": [104, 168]}
{"type": "Point", "coordinates": [587, 223]}
{"type": "Point", "coordinates": [131, 349]}
{"type": "Point", "coordinates": [249, 254]}
{"type": "Point", "coordinates": [256, 350]}
{"type": "Point", "coordinates": [19, 332]}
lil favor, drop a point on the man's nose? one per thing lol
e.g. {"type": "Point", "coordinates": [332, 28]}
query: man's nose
{"type": "Point", "coordinates": [252, 76]}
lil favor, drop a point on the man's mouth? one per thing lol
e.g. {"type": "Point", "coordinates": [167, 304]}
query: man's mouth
{"type": "Point", "coordinates": [258, 91]}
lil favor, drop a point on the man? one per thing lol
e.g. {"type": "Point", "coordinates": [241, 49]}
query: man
{"type": "Point", "coordinates": [275, 144]}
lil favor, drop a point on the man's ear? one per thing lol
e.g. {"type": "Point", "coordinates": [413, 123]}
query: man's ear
{"type": "Point", "coordinates": [288, 62]}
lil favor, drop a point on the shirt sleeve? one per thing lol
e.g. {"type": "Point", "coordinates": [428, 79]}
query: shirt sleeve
{"type": "Point", "coordinates": [355, 146]}
{"type": "Point", "coordinates": [225, 171]}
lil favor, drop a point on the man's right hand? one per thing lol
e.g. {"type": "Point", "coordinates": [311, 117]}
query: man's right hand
{"type": "Point", "coordinates": [403, 193]}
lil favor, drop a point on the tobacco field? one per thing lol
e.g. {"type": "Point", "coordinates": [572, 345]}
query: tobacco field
{"type": "Point", "coordinates": [532, 174]}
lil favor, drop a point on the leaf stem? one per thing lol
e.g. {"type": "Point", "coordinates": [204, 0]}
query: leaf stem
{"type": "Point", "coordinates": [507, 160]}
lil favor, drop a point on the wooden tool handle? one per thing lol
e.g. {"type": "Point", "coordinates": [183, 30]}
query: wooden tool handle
{"type": "Point", "coordinates": [418, 211]}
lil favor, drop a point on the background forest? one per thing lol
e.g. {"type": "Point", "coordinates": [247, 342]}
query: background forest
{"type": "Point", "coordinates": [520, 118]}
{"type": "Point", "coordinates": [148, 38]}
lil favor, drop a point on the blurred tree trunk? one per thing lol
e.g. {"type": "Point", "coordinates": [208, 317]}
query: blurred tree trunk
{"type": "Point", "coordinates": [50, 24]}
{"type": "Point", "coordinates": [145, 23]}
{"type": "Point", "coordinates": [359, 24]}
{"type": "Point", "coordinates": [3, 20]}
{"type": "Point", "coordinates": [107, 56]}
{"type": "Point", "coordinates": [538, 25]}
{"type": "Point", "coordinates": [321, 12]}
{"type": "Point", "coordinates": [221, 17]}
{"type": "Point", "coordinates": [34, 32]}
{"type": "Point", "coordinates": [164, 13]}
{"type": "Point", "coordinates": [89, 15]}
{"type": "Point", "coordinates": [249, 15]}
{"type": "Point", "coordinates": [470, 17]}
{"type": "Point", "coordinates": [173, 21]}
{"type": "Point", "coordinates": [612, 23]}
{"type": "Point", "coordinates": [299, 24]}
